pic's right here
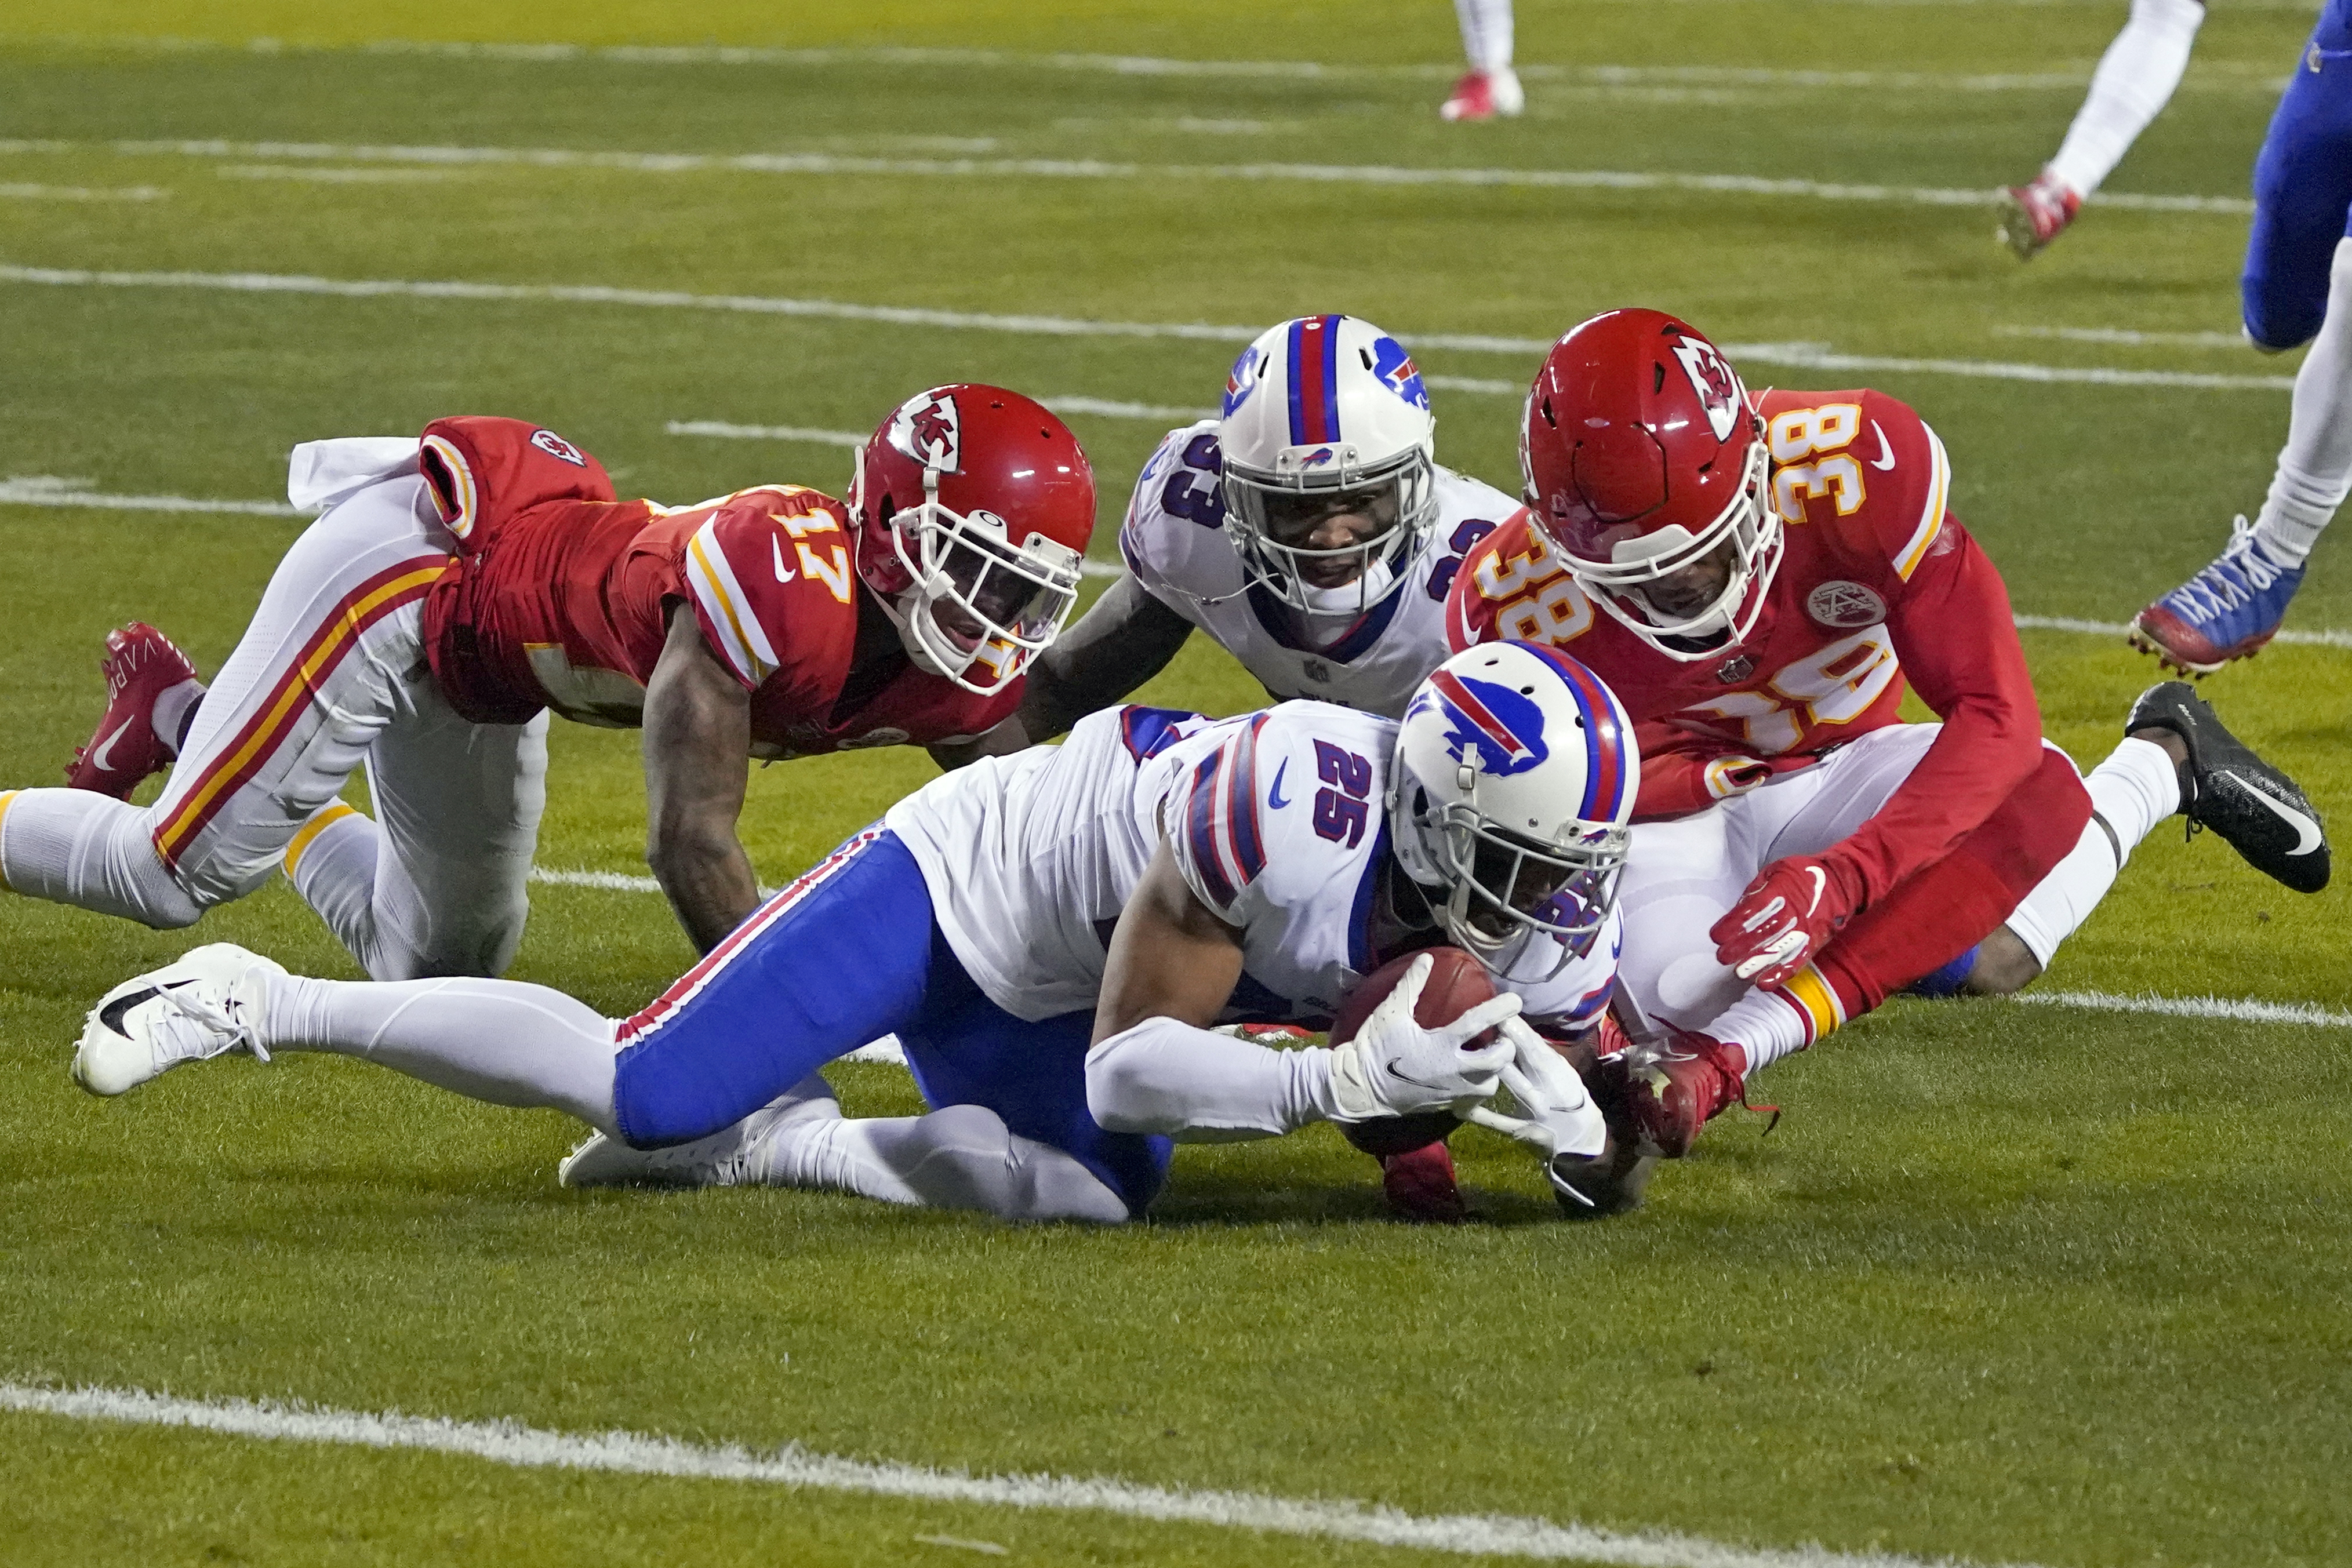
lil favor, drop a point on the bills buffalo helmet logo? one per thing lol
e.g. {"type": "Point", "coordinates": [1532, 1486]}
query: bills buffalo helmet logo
{"type": "Point", "coordinates": [554, 446]}
{"type": "Point", "coordinates": [1246, 374]}
{"type": "Point", "coordinates": [929, 430]}
{"type": "Point", "coordinates": [1501, 729]}
{"type": "Point", "coordinates": [1316, 458]}
{"type": "Point", "coordinates": [1713, 379]}
{"type": "Point", "coordinates": [1398, 372]}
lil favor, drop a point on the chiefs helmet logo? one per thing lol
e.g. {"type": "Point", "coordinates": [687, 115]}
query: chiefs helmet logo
{"type": "Point", "coordinates": [1712, 378]}
{"type": "Point", "coordinates": [930, 431]}
{"type": "Point", "coordinates": [554, 446]}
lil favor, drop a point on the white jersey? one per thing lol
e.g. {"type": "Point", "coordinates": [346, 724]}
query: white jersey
{"type": "Point", "coordinates": [1029, 859]}
{"type": "Point", "coordinates": [1175, 543]}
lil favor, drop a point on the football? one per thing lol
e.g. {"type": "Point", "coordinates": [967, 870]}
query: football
{"type": "Point", "coordinates": [1456, 984]}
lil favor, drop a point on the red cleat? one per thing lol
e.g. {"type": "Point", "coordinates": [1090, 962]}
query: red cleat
{"type": "Point", "coordinates": [2032, 215]}
{"type": "Point", "coordinates": [1676, 1089]}
{"type": "Point", "coordinates": [1483, 95]}
{"type": "Point", "coordinates": [141, 664]}
{"type": "Point", "coordinates": [1420, 1185]}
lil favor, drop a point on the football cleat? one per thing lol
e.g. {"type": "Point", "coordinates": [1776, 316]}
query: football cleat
{"type": "Point", "coordinates": [1676, 1087]}
{"type": "Point", "coordinates": [2226, 611]}
{"type": "Point", "coordinates": [208, 1003]}
{"type": "Point", "coordinates": [1420, 1183]}
{"type": "Point", "coordinates": [141, 664]}
{"type": "Point", "coordinates": [1483, 95]}
{"type": "Point", "coordinates": [2031, 215]}
{"type": "Point", "coordinates": [2259, 811]}
{"type": "Point", "coordinates": [733, 1156]}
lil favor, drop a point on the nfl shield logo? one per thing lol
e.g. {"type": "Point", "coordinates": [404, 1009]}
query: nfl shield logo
{"type": "Point", "coordinates": [1316, 670]}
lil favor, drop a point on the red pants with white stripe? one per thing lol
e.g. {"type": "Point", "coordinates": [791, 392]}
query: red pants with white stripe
{"type": "Point", "coordinates": [329, 677]}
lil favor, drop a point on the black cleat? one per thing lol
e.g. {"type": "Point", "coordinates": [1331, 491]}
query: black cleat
{"type": "Point", "coordinates": [2261, 813]}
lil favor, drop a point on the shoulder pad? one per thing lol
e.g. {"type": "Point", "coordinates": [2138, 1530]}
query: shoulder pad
{"type": "Point", "coordinates": [482, 470]}
{"type": "Point", "coordinates": [1179, 500]}
{"type": "Point", "coordinates": [769, 571]}
{"type": "Point", "coordinates": [1861, 466]}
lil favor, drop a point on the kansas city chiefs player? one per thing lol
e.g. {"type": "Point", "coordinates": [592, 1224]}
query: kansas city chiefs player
{"type": "Point", "coordinates": [1756, 577]}
{"type": "Point", "coordinates": [460, 586]}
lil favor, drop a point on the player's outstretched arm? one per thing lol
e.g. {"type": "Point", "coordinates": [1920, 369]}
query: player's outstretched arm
{"type": "Point", "coordinates": [1124, 639]}
{"type": "Point", "coordinates": [697, 739]}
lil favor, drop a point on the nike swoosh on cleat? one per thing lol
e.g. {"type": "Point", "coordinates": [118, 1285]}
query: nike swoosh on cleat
{"type": "Point", "coordinates": [100, 756]}
{"type": "Point", "coordinates": [1273, 795]}
{"type": "Point", "coordinates": [777, 545]}
{"type": "Point", "coordinates": [2307, 834]}
{"type": "Point", "coordinates": [112, 1014]}
{"type": "Point", "coordinates": [1886, 458]}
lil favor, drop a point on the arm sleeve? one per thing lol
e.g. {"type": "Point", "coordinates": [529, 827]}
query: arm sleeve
{"type": "Point", "coordinates": [1952, 629]}
{"type": "Point", "coordinates": [1201, 1087]}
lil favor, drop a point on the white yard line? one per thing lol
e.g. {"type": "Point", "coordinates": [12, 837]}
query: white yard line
{"type": "Point", "coordinates": [2129, 335]}
{"type": "Point", "coordinates": [1796, 355]}
{"type": "Point", "coordinates": [2117, 629]}
{"type": "Point", "coordinates": [2235, 1010]}
{"type": "Point", "coordinates": [726, 432]}
{"type": "Point", "coordinates": [514, 1444]}
{"type": "Point", "coordinates": [1381, 174]}
{"type": "Point", "coordinates": [328, 174]}
{"type": "Point", "coordinates": [18, 192]}
{"type": "Point", "coordinates": [45, 490]}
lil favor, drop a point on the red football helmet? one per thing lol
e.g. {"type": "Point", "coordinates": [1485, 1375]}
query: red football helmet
{"type": "Point", "coordinates": [1647, 469]}
{"type": "Point", "coordinates": [973, 507]}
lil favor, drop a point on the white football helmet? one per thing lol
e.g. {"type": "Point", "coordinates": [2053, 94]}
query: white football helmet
{"type": "Point", "coordinates": [1323, 415]}
{"type": "Point", "coordinates": [1515, 776]}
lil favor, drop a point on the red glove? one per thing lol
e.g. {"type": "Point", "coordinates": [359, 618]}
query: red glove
{"type": "Point", "coordinates": [1785, 918]}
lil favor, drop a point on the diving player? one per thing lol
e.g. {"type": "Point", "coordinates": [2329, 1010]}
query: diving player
{"type": "Point", "coordinates": [1756, 577]}
{"type": "Point", "coordinates": [2296, 289]}
{"type": "Point", "coordinates": [1050, 935]}
{"type": "Point", "coordinates": [1309, 530]}
{"type": "Point", "coordinates": [459, 586]}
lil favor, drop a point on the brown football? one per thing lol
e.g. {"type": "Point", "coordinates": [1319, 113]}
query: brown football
{"type": "Point", "coordinates": [1456, 984]}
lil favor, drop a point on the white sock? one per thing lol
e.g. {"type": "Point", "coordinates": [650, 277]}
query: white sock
{"type": "Point", "coordinates": [2314, 468]}
{"type": "Point", "coordinates": [1764, 1024]}
{"type": "Point", "coordinates": [1485, 33]}
{"type": "Point", "coordinates": [77, 847]}
{"type": "Point", "coordinates": [961, 1157]}
{"type": "Point", "coordinates": [496, 1041]}
{"type": "Point", "coordinates": [169, 714]}
{"type": "Point", "coordinates": [2135, 78]}
{"type": "Point", "coordinates": [2134, 789]}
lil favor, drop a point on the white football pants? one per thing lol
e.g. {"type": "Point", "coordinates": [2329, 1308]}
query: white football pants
{"type": "Point", "coordinates": [331, 676]}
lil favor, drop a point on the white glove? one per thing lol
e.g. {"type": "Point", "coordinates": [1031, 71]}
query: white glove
{"type": "Point", "coordinates": [1556, 1118]}
{"type": "Point", "coordinates": [1395, 1067]}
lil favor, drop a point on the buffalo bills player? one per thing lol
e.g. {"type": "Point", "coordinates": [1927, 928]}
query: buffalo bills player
{"type": "Point", "coordinates": [1755, 577]}
{"type": "Point", "coordinates": [459, 586]}
{"type": "Point", "coordinates": [2296, 289]}
{"type": "Point", "coordinates": [1309, 530]}
{"type": "Point", "coordinates": [1051, 937]}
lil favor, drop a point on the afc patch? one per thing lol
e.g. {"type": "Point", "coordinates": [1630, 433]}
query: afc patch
{"type": "Point", "coordinates": [554, 446]}
{"type": "Point", "coordinates": [1846, 604]}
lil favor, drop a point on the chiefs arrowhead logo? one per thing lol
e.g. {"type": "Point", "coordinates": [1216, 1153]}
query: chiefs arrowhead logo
{"type": "Point", "coordinates": [1712, 378]}
{"type": "Point", "coordinates": [929, 430]}
{"type": "Point", "coordinates": [554, 446]}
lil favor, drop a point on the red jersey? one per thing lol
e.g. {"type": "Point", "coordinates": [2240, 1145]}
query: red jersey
{"type": "Point", "coordinates": [1877, 580]}
{"type": "Point", "coordinates": [560, 599]}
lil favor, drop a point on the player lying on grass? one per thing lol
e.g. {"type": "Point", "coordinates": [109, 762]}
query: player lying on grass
{"type": "Point", "coordinates": [458, 587]}
{"type": "Point", "coordinates": [1755, 577]}
{"type": "Point", "coordinates": [1051, 937]}
{"type": "Point", "coordinates": [1308, 531]}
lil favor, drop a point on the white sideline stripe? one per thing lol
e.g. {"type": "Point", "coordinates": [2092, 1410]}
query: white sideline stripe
{"type": "Point", "coordinates": [2264, 76]}
{"type": "Point", "coordinates": [1111, 408]}
{"type": "Point", "coordinates": [629, 1453]}
{"type": "Point", "coordinates": [2129, 335]}
{"type": "Point", "coordinates": [1798, 356]}
{"type": "Point", "coordinates": [1099, 169]}
{"type": "Point", "coordinates": [2116, 628]}
{"type": "Point", "coordinates": [2237, 1010]}
{"type": "Point", "coordinates": [15, 191]}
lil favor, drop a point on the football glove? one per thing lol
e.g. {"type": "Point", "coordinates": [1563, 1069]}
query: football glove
{"type": "Point", "coordinates": [1785, 918]}
{"type": "Point", "coordinates": [1395, 1067]}
{"type": "Point", "coordinates": [1556, 1118]}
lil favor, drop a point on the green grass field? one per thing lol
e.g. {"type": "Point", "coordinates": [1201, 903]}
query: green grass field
{"type": "Point", "coordinates": [2008, 1284]}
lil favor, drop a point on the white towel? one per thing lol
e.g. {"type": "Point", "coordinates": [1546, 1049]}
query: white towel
{"type": "Point", "coordinates": [319, 473]}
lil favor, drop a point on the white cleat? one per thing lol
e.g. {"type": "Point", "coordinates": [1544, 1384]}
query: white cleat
{"type": "Point", "coordinates": [209, 1002]}
{"type": "Point", "coordinates": [735, 1156]}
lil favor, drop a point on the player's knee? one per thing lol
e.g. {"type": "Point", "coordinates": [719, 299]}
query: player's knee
{"type": "Point", "coordinates": [974, 1161]}
{"type": "Point", "coordinates": [2004, 965]}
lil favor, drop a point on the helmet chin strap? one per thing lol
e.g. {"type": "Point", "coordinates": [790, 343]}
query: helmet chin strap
{"type": "Point", "coordinates": [1349, 598]}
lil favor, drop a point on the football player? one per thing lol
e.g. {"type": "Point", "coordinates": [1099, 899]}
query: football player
{"type": "Point", "coordinates": [1309, 530]}
{"type": "Point", "coordinates": [1051, 936]}
{"type": "Point", "coordinates": [460, 586]}
{"type": "Point", "coordinates": [1490, 87]}
{"type": "Point", "coordinates": [1757, 578]}
{"type": "Point", "coordinates": [2296, 289]}
{"type": "Point", "coordinates": [2134, 80]}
